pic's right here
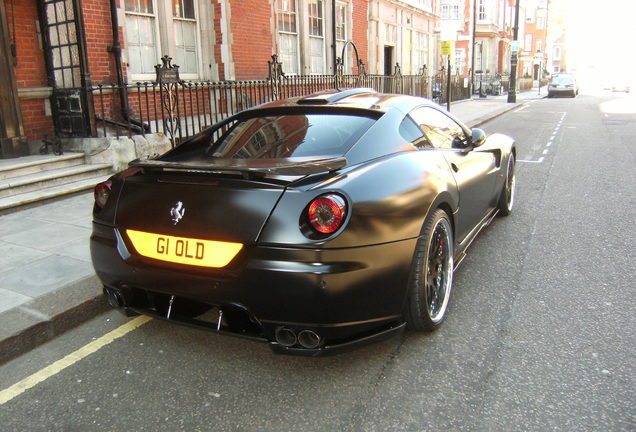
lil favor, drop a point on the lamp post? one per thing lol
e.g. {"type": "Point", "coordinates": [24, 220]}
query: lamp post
{"type": "Point", "coordinates": [472, 51]}
{"type": "Point", "coordinates": [512, 88]}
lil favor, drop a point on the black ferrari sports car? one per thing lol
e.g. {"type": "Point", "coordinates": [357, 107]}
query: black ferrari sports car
{"type": "Point", "coordinates": [314, 223]}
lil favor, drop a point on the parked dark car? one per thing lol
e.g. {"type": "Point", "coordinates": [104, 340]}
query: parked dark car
{"type": "Point", "coordinates": [314, 223]}
{"type": "Point", "coordinates": [563, 84]}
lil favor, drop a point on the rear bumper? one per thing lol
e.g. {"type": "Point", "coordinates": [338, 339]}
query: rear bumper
{"type": "Point", "coordinates": [346, 296]}
{"type": "Point", "coordinates": [561, 91]}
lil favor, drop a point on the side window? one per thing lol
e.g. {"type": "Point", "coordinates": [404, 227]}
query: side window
{"type": "Point", "coordinates": [412, 133]}
{"type": "Point", "coordinates": [442, 131]}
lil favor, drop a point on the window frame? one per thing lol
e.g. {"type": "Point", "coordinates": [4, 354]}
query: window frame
{"type": "Point", "coordinates": [421, 49]}
{"type": "Point", "coordinates": [142, 76]}
{"type": "Point", "coordinates": [527, 42]}
{"type": "Point", "coordinates": [321, 9]}
{"type": "Point", "coordinates": [303, 42]}
{"type": "Point", "coordinates": [297, 34]}
{"type": "Point", "coordinates": [422, 111]}
{"type": "Point", "coordinates": [165, 39]}
{"type": "Point", "coordinates": [347, 60]}
{"type": "Point", "coordinates": [197, 44]}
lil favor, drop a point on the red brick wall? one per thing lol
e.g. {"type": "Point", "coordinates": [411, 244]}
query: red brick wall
{"type": "Point", "coordinates": [361, 30]}
{"type": "Point", "coordinates": [99, 36]}
{"type": "Point", "coordinates": [251, 22]}
{"type": "Point", "coordinates": [36, 122]}
{"type": "Point", "coordinates": [218, 38]}
{"type": "Point", "coordinates": [31, 68]}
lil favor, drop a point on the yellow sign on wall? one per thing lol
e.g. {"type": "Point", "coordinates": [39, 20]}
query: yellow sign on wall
{"type": "Point", "coordinates": [447, 47]}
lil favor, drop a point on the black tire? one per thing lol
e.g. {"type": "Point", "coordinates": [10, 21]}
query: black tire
{"type": "Point", "coordinates": [431, 277]}
{"type": "Point", "coordinates": [507, 197]}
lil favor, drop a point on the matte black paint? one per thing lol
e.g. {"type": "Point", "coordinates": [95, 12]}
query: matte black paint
{"type": "Point", "coordinates": [348, 286]}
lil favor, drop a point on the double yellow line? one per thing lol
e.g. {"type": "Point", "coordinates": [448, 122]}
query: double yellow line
{"type": "Point", "coordinates": [33, 380]}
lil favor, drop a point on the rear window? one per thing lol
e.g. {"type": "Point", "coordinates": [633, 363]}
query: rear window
{"type": "Point", "coordinates": [562, 80]}
{"type": "Point", "coordinates": [291, 136]}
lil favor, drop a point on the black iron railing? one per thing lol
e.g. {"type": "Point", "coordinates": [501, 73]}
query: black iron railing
{"type": "Point", "coordinates": [182, 109]}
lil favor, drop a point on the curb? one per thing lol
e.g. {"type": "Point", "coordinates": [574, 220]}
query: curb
{"type": "Point", "coordinates": [42, 319]}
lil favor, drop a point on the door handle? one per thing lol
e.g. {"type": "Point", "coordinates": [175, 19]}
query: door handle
{"type": "Point", "coordinates": [454, 167]}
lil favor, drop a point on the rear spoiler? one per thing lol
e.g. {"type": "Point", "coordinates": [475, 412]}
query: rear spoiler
{"type": "Point", "coordinates": [250, 167]}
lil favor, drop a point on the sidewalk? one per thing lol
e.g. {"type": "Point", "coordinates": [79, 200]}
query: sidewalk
{"type": "Point", "coordinates": [47, 282]}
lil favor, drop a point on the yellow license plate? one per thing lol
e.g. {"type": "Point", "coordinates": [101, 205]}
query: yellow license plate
{"type": "Point", "coordinates": [183, 250]}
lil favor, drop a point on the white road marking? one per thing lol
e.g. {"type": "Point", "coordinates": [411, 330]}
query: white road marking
{"type": "Point", "coordinates": [530, 161]}
{"type": "Point", "coordinates": [545, 151]}
{"type": "Point", "coordinates": [53, 369]}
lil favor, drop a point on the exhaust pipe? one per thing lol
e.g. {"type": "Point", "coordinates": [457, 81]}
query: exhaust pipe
{"type": "Point", "coordinates": [286, 337]}
{"type": "Point", "coordinates": [114, 297]}
{"type": "Point", "coordinates": [308, 339]}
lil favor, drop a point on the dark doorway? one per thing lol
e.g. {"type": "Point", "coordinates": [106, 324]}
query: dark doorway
{"type": "Point", "coordinates": [65, 48]}
{"type": "Point", "coordinates": [388, 60]}
{"type": "Point", "coordinates": [537, 72]}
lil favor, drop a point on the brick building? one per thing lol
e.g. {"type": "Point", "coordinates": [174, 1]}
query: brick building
{"type": "Point", "coordinates": [533, 56]}
{"type": "Point", "coordinates": [54, 50]}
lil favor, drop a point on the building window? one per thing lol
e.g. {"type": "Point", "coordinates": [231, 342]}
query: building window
{"type": "Point", "coordinates": [144, 46]}
{"type": "Point", "coordinates": [455, 11]}
{"type": "Point", "coordinates": [527, 46]}
{"type": "Point", "coordinates": [342, 35]}
{"type": "Point", "coordinates": [450, 10]}
{"type": "Point", "coordinates": [539, 45]}
{"type": "Point", "coordinates": [421, 50]}
{"type": "Point", "coordinates": [460, 60]}
{"type": "Point", "coordinates": [445, 11]}
{"type": "Point", "coordinates": [185, 35]}
{"type": "Point", "coordinates": [141, 37]}
{"type": "Point", "coordinates": [303, 30]}
{"type": "Point", "coordinates": [316, 37]}
{"type": "Point", "coordinates": [481, 10]}
{"type": "Point", "coordinates": [391, 34]}
{"type": "Point", "coordinates": [479, 57]}
{"type": "Point", "coordinates": [288, 35]}
{"type": "Point", "coordinates": [557, 53]}
{"type": "Point", "coordinates": [540, 22]}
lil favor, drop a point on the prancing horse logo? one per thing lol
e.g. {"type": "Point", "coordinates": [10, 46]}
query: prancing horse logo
{"type": "Point", "coordinates": [177, 212]}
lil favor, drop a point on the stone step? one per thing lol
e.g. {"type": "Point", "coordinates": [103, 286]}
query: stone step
{"type": "Point", "coordinates": [45, 179]}
{"type": "Point", "coordinates": [10, 168]}
{"type": "Point", "coordinates": [14, 202]}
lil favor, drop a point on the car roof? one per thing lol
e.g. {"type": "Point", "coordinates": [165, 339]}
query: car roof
{"type": "Point", "coordinates": [356, 98]}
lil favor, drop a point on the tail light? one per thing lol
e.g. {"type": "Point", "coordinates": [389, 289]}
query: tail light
{"type": "Point", "coordinates": [327, 213]}
{"type": "Point", "coordinates": [102, 193]}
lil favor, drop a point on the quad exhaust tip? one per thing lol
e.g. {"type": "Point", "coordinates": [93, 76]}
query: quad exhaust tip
{"type": "Point", "coordinates": [306, 338]}
{"type": "Point", "coordinates": [114, 297]}
{"type": "Point", "coordinates": [286, 337]}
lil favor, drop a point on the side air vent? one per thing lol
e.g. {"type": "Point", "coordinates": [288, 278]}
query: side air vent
{"type": "Point", "coordinates": [329, 98]}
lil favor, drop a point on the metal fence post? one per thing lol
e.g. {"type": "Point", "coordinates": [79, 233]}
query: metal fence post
{"type": "Point", "coordinates": [276, 75]}
{"type": "Point", "coordinates": [168, 80]}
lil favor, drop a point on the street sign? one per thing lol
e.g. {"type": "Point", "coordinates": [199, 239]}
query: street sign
{"type": "Point", "coordinates": [446, 48]}
{"type": "Point", "coordinates": [514, 46]}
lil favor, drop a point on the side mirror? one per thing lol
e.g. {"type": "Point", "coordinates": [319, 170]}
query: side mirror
{"type": "Point", "coordinates": [478, 137]}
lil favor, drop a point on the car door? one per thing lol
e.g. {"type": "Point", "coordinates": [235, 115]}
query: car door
{"type": "Point", "coordinates": [475, 172]}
